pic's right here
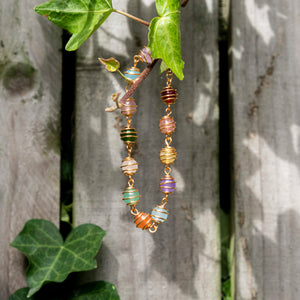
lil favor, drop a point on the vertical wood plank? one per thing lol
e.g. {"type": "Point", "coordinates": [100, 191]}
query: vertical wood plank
{"type": "Point", "coordinates": [266, 126]}
{"type": "Point", "coordinates": [30, 87]}
{"type": "Point", "coordinates": [182, 260]}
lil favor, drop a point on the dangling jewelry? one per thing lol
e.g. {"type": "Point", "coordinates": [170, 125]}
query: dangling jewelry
{"type": "Point", "coordinates": [167, 154]}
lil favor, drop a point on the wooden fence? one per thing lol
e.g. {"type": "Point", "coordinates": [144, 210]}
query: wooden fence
{"type": "Point", "coordinates": [182, 260]}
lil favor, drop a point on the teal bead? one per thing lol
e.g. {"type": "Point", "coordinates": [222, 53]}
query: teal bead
{"type": "Point", "coordinates": [131, 196]}
{"type": "Point", "coordinates": [128, 135]}
{"type": "Point", "coordinates": [159, 214]}
{"type": "Point", "coordinates": [132, 73]}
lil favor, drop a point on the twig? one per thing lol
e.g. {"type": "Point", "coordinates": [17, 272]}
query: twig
{"type": "Point", "coordinates": [132, 17]}
{"type": "Point", "coordinates": [184, 3]}
{"type": "Point", "coordinates": [138, 81]}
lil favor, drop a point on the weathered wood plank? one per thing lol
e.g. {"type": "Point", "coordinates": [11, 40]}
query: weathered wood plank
{"type": "Point", "coordinates": [266, 126]}
{"type": "Point", "coordinates": [182, 260]}
{"type": "Point", "coordinates": [30, 87]}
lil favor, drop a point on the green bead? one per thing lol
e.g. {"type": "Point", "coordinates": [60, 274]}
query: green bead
{"type": "Point", "coordinates": [128, 135]}
{"type": "Point", "coordinates": [131, 196]}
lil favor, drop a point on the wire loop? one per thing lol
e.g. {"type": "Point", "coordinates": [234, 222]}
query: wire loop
{"type": "Point", "coordinates": [153, 228]}
{"type": "Point", "coordinates": [130, 182]}
{"type": "Point", "coordinates": [168, 140]}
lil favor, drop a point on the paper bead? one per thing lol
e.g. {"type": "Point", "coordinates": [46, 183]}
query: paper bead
{"type": "Point", "coordinates": [168, 95]}
{"type": "Point", "coordinates": [167, 155]}
{"type": "Point", "coordinates": [128, 135]}
{"type": "Point", "coordinates": [167, 184]}
{"type": "Point", "coordinates": [167, 125]}
{"type": "Point", "coordinates": [159, 214]}
{"type": "Point", "coordinates": [142, 220]}
{"type": "Point", "coordinates": [129, 107]}
{"type": "Point", "coordinates": [131, 196]}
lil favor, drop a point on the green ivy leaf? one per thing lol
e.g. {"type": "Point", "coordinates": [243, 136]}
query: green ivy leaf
{"type": "Point", "coordinates": [226, 290]}
{"type": "Point", "coordinates": [82, 18]}
{"type": "Point", "coordinates": [64, 213]}
{"type": "Point", "coordinates": [52, 259]}
{"type": "Point", "coordinates": [163, 67]}
{"type": "Point", "coordinates": [100, 290]}
{"type": "Point", "coordinates": [111, 64]}
{"type": "Point", "coordinates": [164, 35]}
{"type": "Point", "coordinates": [20, 294]}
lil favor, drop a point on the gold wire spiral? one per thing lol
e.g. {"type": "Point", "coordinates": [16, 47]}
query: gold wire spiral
{"type": "Point", "coordinates": [129, 166]}
{"type": "Point", "coordinates": [167, 155]}
{"type": "Point", "coordinates": [145, 55]}
{"type": "Point", "coordinates": [142, 220]}
{"type": "Point", "coordinates": [167, 125]}
{"type": "Point", "coordinates": [129, 107]}
{"type": "Point", "coordinates": [168, 95]}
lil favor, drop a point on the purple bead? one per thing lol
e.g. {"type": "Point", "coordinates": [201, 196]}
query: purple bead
{"type": "Point", "coordinates": [167, 184]}
{"type": "Point", "coordinates": [145, 55]}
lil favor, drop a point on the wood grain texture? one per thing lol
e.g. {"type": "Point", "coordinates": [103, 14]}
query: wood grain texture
{"type": "Point", "coordinates": [266, 125]}
{"type": "Point", "coordinates": [182, 260]}
{"type": "Point", "coordinates": [30, 87]}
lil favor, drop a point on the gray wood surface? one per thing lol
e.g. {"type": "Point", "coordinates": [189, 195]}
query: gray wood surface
{"type": "Point", "coordinates": [182, 260]}
{"type": "Point", "coordinates": [30, 87]}
{"type": "Point", "coordinates": [266, 125]}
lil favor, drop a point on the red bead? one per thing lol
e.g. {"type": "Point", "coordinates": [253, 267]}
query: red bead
{"type": "Point", "coordinates": [168, 95]}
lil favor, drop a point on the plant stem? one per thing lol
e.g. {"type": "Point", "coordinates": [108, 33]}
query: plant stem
{"type": "Point", "coordinates": [132, 17]}
{"type": "Point", "coordinates": [123, 76]}
{"type": "Point", "coordinates": [138, 81]}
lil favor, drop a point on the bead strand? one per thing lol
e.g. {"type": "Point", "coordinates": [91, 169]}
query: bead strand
{"type": "Point", "coordinates": [168, 154]}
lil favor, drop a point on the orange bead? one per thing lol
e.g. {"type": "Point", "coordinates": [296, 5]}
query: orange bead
{"type": "Point", "coordinates": [142, 220]}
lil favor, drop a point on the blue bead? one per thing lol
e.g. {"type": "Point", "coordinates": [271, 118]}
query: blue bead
{"type": "Point", "coordinates": [132, 73]}
{"type": "Point", "coordinates": [159, 214]}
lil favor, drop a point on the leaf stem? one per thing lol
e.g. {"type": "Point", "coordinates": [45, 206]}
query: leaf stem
{"type": "Point", "coordinates": [123, 76]}
{"type": "Point", "coordinates": [138, 81]}
{"type": "Point", "coordinates": [132, 17]}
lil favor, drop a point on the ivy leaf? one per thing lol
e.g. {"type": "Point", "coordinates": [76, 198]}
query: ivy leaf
{"type": "Point", "coordinates": [111, 64]}
{"type": "Point", "coordinates": [226, 289]}
{"type": "Point", "coordinates": [163, 67]}
{"type": "Point", "coordinates": [99, 290]}
{"type": "Point", "coordinates": [164, 35]}
{"type": "Point", "coordinates": [64, 213]}
{"type": "Point", "coordinates": [51, 258]}
{"type": "Point", "coordinates": [20, 294]}
{"type": "Point", "coordinates": [82, 18]}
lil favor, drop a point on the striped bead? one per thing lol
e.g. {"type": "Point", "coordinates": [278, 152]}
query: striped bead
{"type": "Point", "coordinates": [129, 166]}
{"type": "Point", "coordinates": [132, 73]}
{"type": "Point", "coordinates": [128, 135]}
{"type": "Point", "coordinates": [168, 95]}
{"type": "Point", "coordinates": [142, 220]}
{"type": "Point", "coordinates": [131, 196]}
{"type": "Point", "coordinates": [167, 125]}
{"type": "Point", "coordinates": [129, 107]}
{"type": "Point", "coordinates": [159, 214]}
{"type": "Point", "coordinates": [167, 155]}
{"type": "Point", "coordinates": [145, 55]}
{"type": "Point", "coordinates": [167, 184]}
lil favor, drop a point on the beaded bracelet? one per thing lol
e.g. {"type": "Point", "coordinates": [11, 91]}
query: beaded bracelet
{"type": "Point", "coordinates": [167, 155]}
